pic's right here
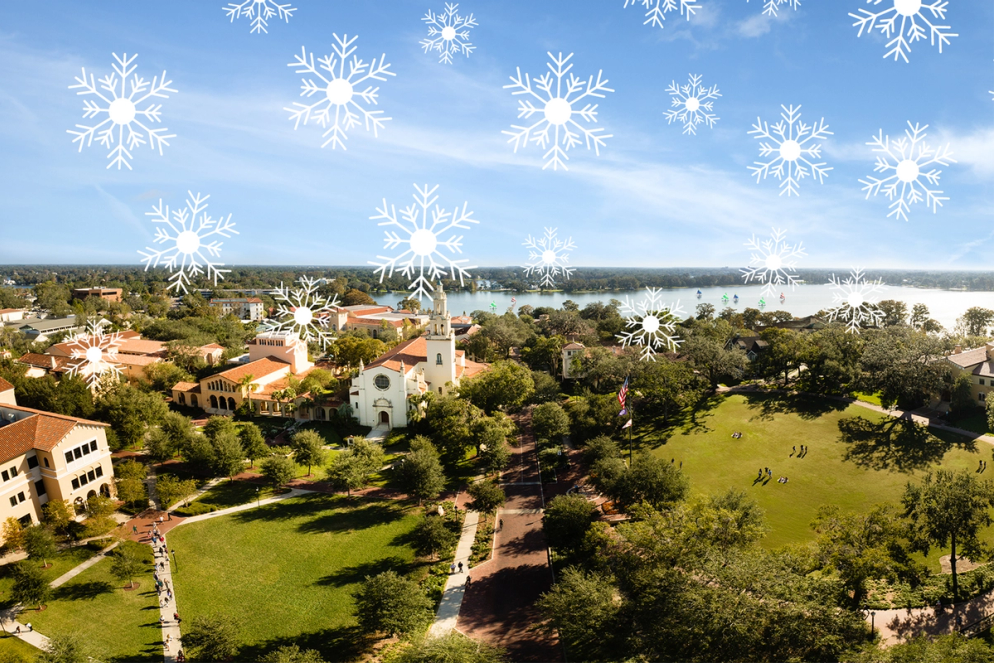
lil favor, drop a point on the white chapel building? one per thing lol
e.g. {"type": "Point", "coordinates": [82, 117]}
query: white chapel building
{"type": "Point", "coordinates": [428, 363]}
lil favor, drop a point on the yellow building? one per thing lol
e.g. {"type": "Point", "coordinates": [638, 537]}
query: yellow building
{"type": "Point", "coordinates": [978, 365]}
{"type": "Point", "coordinates": [45, 456]}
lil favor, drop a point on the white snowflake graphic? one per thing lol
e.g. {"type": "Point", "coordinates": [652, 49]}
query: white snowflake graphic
{"type": "Point", "coordinates": [187, 254]}
{"type": "Point", "coordinates": [900, 23]}
{"type": "Point", "coordinates": [773, 262]}
{"type": "Point", "coordinates": [558, 106]}
{"type": "Point", "coordinates": [692, 103]}
{"type": "Point", "coordinates": [424, 240]}
{"type": "Point", "coordinates": [904, 161]}
{"type": "Point", "coordinates": [303, 311]}
{"type": "Point", "coordinates": [854, 301]}
{"type": "Point", "coordinates": [651, 324]}
{"type": "Point", "coordinates": [548, 256]}
{"type": "Point", "coordinates": [656, 10]}
{"type": "Point", "coordinates": [339, 91]}
{"type": "Point", "coordinates": [123, 113]}
{"type": "Point", "coordinates": [92, 353]}
{"type": "Point", "coordinates": [448, 33]}
{"type": "Point", "coordinates": [259, 11]}
{"type": "Point", "coordinates": [771, 7]}
{"type": "Point", "coordinates": [792, 150]}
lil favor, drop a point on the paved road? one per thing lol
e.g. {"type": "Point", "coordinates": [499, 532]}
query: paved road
{"type": "Point", "coordinates": [499, 604]}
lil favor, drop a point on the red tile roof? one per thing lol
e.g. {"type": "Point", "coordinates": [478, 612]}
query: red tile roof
{"type": "Point", "coordinates": [39, 430]}
{"type": "Point", "coordinates": [410, 352]}
{"type": "Point", "coordinates": [259, 368]}
{"type": "Point", "coordinates": [45, 361]}
{"type": "Point", "coordinates": [969, 357]}
{"type": "Point", "coordinates": [187, 387]}
{"type": "Point", "coordinates": [5, 386]}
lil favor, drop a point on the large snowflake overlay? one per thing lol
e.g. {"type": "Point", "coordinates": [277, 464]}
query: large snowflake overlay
{"type": "Point", "coordinates": [303, 311]}
{"type": "Point", "coordinates": [692, 104]}
{"type": "Point", "coordinates": [903, 162]}
{"type": "Point", "coordinates": [92, 353]}
{"type": "Point", "coordinates": [259, 12]}
{"type": "Point", "coordinates": [125, 122]}
{"type": "Point", "coordinates": [448, 33]}
{"type": "Point", "coordinates": [656, 10]}
{"type": "Point", "coordinates": [773, 262]}
{"type": "Point", "coordinates": [187, 254]}
{"type": "Point", "coordinates": [424, 239]}
{"type": "Point", "coordinates": [339, 91]}
{"type": "Point", "coordinates": [558, 104]}
{"type": "Point", "coordinates": [651, 324]}
{"type": "Point", "coordinates": [791, 151]}
{"type": "Point", "coordinates": [854, 301]}
{"type": "Point", "coordinates": [771, 7]}
{"type": "Point", "coordinates": [900, 24]}
{"type": "Point", "coordinates": [548, 256]}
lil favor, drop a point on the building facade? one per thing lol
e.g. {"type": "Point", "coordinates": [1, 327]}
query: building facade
{"type": "Point", "coordinates": [978, 365]}
{"type": "Point", "coordinates": [110, 294]}
{"type": "Point", "coordinates": [243, 308]}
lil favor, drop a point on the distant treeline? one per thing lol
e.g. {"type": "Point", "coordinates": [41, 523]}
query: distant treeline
{"type": "Point", "coordinates": [135, 279]}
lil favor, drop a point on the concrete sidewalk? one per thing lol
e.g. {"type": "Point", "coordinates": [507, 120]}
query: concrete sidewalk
{"type": "Point", "coordinates": [455, 586]}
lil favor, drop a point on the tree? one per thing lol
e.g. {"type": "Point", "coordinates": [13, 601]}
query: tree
{"type": "Point", "coordinates": [453, 647]}
{"type": "Point", "coordinates": [705, 311]}
{"type": "Point", "coordinates": [355, 297]}
{"type": "Point", "coordinates": [951, 508]}
{"type": "Point", "coordinates": [64, 648]}
{"type": "Point", "coordinates": [895, 312]}
{"type": "Point", "coordinates": [961, 399]}
{"type": "Point", "coordinates": [129, 476]}
{"type": "Point", "coordinates": [39, 544]}
{"type": "Point", "coordinates": [172, 489]}
{"type": "Point", "coordinates": [451, 420]}
{"type": "Point", "coordinates": [950, 648]}
{"type": "Point", "coordinates": [506, 386]}
{"type": "Point", "coordinates": [228, 456]}
{"type": "Point", "coordinates": [784, 353]}
{"type": "Point", "coordinates": [550, 422]}
{"type": "Point", "coordinates": [57, 514]}
{"type": "Point", "coordinates": [216, 425]}
{"type": "Point", "coordinates": [292, 654]}
{"type": "Point", "coordinates": [99, 506]}
{"type": "Point", "coordinates": [199, 452]}
{"type": "Point", "coordinates": [581, 606]}
{"type": "Point", "coordinates": [420, 474]}
{"type": "Point", "coordinates": [308, 449]}
{"type": "Point", "coordinates": [159, 447]}
{"type": "Point", "coordinates": [546, 387]}
{"type": "Point", "coordinates": [600, 447]}
{"type": "Point", "coordinates": [725, 521]}
{"type": "Point", "coordinates": [253, 443]}
{"type": "Point", "coordinates": [30, 586]}
{"type": "Point", "coordinates": [494, 452]}
{"type": "Point", "coordinates": [350, 351]}
{"type": "Point", "coordinates": [566, 521]}
{"type": "Point", "coordinates": [130, 412]}
{"type": "Point", "coordinates": [713, 359]}
{"type": "Point", "coordinates": [487, 496]}
{"type": "Point", "coordinates": [431, 536]}
{"type": "Point", "coordinates": [278, 470]}
{"type": "Point", "coordinates": [975, 321]}
{"type": "Point", "coordinates": [649, 479]}
{"type": "Point", "coordinates": [13, 534]}
{"type": "Point", "coordinates": [178, 429]}
{"type": "Point", "coordinates": [899, 362]}
{"type": "Point", "coordinates": [212, 637]}
{"type": "Point", "coordinates": [128, 562]}
{"type": "Point", "coordinates": [412, 304]}
{"type": "Point", "coordinates": [388, 603]}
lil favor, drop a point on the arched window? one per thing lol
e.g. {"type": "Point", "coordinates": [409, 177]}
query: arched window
{"type": "Point", "coordinates": [438, 359]}
{"type": "Point", "coordinates": [231, 404]}
{"type": "Point", "coordinates": [213, 401]}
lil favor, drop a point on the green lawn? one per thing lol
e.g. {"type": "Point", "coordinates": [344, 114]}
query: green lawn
{"type": "Point", "coordinates": [118, 625]}
{"type": "Point", "coordinates": [868, 398]}
{"type": "Point", "coordinates": [285, 572]}
{"type": "Point", "coordinates": [13, 649]}
{"type": "Point", "coordinates": [64, 561]}
{"type": "Point", "coordinates": [325, 430]}
{"type": "Point", "coordinates": [855, 463]}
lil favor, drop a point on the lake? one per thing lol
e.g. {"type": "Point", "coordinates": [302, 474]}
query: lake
{"type": "Point", "coordinates": [944, 305]}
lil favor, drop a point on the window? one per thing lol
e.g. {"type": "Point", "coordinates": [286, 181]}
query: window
{"type": "Point", "coordinates": [438, 359]}
{"type": "Point", "coordinates": [982, 396]}
{"type": "Point", "coordinates": [100, 470]}
{"type": "Point", "coordinates": [75, 484]}
{"type": "Point", "coordinates": [93, 445]}
{"type": "Point", "coordinates": [981, 380]}
{"type": "Point", "coordinates": [90, 475]}
{"type": "Point", "coordinates": [13, 501]}
{"type": "Point", "coordinates": [381, 382]}
{"type": "Point", "coordinates": [40, 487]}
{"type": "Point", "coordinates": [6, 477]}
{"type": "Point", "coordinates": [25, 520]}
{"type": "Point", "coordinates": [13, 471]}
{"type": "Point", "coordinates": [46, 462]}
{"type": "Point", "coordinates": [68, 456]}
{"type": "Point", "coordinates": [77, 453]}
{"type": "Point", "coordinates": [83, 480]}
{"type": "Point", "coordinates": [32, 462]}
{"type": "Point", "coordinates": [20, 497]}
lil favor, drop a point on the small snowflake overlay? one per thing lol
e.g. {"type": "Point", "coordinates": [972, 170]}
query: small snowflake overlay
{"type": "Point", "coordinates": [423, 260]}
{"type": "Point", "coordinates": [339, 90]}
{"type": "Point", "coordinates": [184, 232]}
{"type": "Point", "coordinates": [773, 262]}
{"type": "Point", "coordinates": [854, 301]}
{"type": "Point", "coordinates": [125, 125]}
{"type": "Point", "coordinates": [303, 311]}
{"type": "Point", "coordinates": [558, 111]}
{"type": "Point", "coordinates": [259, 12]}
{"type": "Point", "coordinates": [448, 33]}
{"type": "Point", "coordinates": [92, 353]}
{"type": "Point", "coordinates": [790, 149]}
{"type": "Point", "coordinates": [656, 10]}
{"type": "Point", "coordinates": [899, 22]}
{"type": "Point", "coordinates": [651, 324]}
{"type": "Point", "coordinates": [692, 104]}
{"type": "Point", "coordinates": [904, 161]}
{"type": "Point", "coordinates": [772, 7]}
{"type": "Point", "coordinates": [548, 256]}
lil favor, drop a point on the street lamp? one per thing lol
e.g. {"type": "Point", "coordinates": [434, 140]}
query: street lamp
{"type": "Point", "coordinates": [872, 628]}
{"type": "Point", "coordinates": [175, 564]}
{"type": "Point", "coordinates": [258, 499]}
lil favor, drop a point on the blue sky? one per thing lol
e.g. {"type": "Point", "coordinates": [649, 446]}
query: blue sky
{"type": "Point", "coordinates": [654, 197]}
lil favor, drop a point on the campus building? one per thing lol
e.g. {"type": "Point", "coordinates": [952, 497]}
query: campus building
{"type": "Point", "coordinates": [243, 308]}
{"type": "Point", "coordinates": [45, 456]}
{"type": "Point", "coordinates": [379, 394]}
{"type": "Point", "coordinates": [109, 294]}
{"type": "Point", "coordinates": [978, 365]}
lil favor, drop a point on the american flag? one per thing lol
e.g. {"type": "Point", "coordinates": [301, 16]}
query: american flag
{"type": "Point", "coordinates": [623, 394]}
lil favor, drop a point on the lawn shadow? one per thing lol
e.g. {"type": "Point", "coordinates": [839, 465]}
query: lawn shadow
{"type": "Point", "coordinates": [342, 643]}
{"type": "Point", "coordinates": [896, 444]}
{"type": "Point", "coordinates": [295, 507]}
{"type": "Point", "coordinates": [356, 574]}
{"type": "Point", "coordinates": [82, 591]}
{"type": "Point", "coordinates": [805, 406]}
{"type": "Point", "coordinates": [361, 516]}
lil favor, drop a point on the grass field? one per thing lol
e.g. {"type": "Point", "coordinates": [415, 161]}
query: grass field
{"type": "Point", "coordinates": [854, 463]}
{"type": "Point", "coordinates": [64, 561]}
{"type": "Point", "coordinates": [13, 649]}
{"type": "Point", "coordinates": [117, 625]}
{"type": "Point", "coordinates": [285, 572]}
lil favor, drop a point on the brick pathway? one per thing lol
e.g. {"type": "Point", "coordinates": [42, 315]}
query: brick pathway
{"type": "Point", "coordinates": [499, 605]}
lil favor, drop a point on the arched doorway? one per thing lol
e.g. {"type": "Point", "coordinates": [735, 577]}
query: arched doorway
{"type": "Point", "coordinates": [385, 418]}
{"type": "Point", "coordinates": [213, 402]}
{"type": "Point", "coordinates": [105, 490]}
{"type": "Point", "coordinates": [231, 404]}
{"type": "Point", "coordinates": [193, 400]}
{"type": "Point", "coordinates": [79, 505]}
{"type": "Point", "coordinates": [90, 494]}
